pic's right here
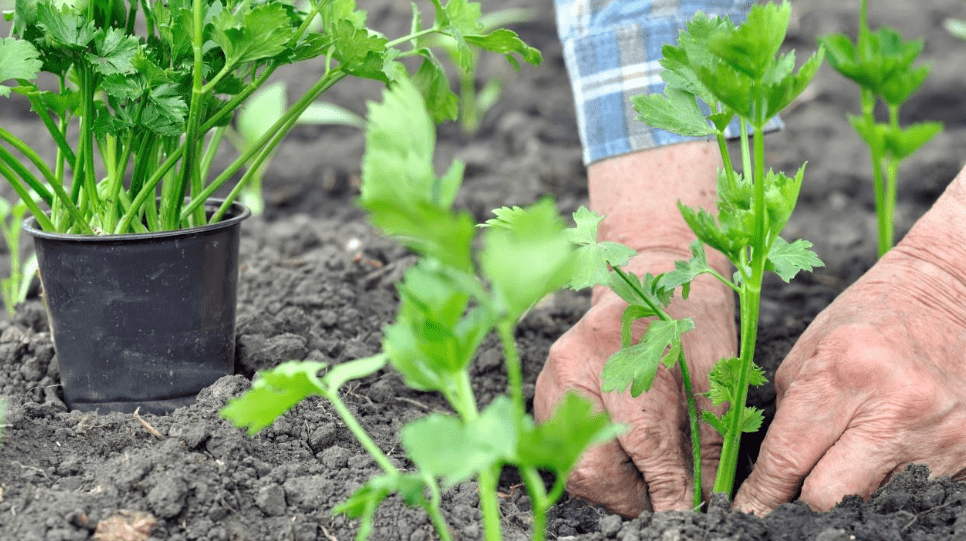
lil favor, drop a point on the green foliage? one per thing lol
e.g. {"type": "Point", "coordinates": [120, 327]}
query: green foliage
{"type": "Point", "coordinates": [263, 109]}
{"type": "Point", "coordinates": [473, 101]}
{"type": "Point", "coordinates": [448, 305]}
{"type": "Point", "coordinates": [733, 71]}
{"type": "Point", "coordinates": [144, 94]}
{"type": "Point", "coordinates": [15, 286]}
{"type": "Point", "coordinates": [881, 63]}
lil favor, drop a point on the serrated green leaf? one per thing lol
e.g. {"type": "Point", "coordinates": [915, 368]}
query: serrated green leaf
{"type": "Point", "coordinates": [399, 186]}
{"type": "Point", "coordinates": [686, 271]}
{"type": "Point", "coordinates": [680, 62]}
{"type": "Point", "coordinates": [447, 447]}
{"type": "Point", "coordinates": [508, 43]}
{"type": "Point", "coordinates": [18, 60]}
{"type": "Point", "coordinates": [727, 241]}
{"type": "Point", "coordinates": [113, 52]}
{"type": "Point", "coordinates": [900, 143]}
{"type": "Point", "coordinates": [781, 195]}
{"type": "Point", "coordinates": [636, 366]}
{"type": "Point", "coordinates": [675, 111]}
{"type": "Point", "coordinates": [505, 217]}
{"type": "Point", "coordinates": [65, 26]}
{"type": "Point", "coordinates": [434, 86]}
{"type": "Point", "coordinates": [724, 377]}
{"type": "Point", "coordinates": [166, 111]}
{"type": "Point", "coordinates": [260, 32]}
{"type": "Point", "coordinates": [751, 47]}
{"type": "Point", "coordinates": [557, 443]}
{"type": "Point", "coordinates": [787, 259]}
{"type": "Point", "coordinates": [273, 393]}
{"type": "Point", "coordinates": [400, 141]}
{"type": "Point", "coordinates": [537, 235]}
{"type": "Point", "coordinates": [594, 259]}
{"type": "Point", "coordinates": [640, 291]}
{"type": "Point", "coordinates": [361, 53]}
{"type": "Point", "coordinates": [897, 89]}
{"type": "Point", "coordinates": [752, 419]}
{"type": "Point", "coordinates": [781, 93]}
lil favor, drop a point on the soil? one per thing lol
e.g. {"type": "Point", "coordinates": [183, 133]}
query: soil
{"type": "Point", "coordinates": [317, 283]}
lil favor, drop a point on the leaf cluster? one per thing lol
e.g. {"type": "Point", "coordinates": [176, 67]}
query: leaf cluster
{"type": "Point", "coordinates": [718, 70]}
{"type": "Point", "coordinates": [145, 82]}
{"type": "Point", "coordinates": [882, 64]}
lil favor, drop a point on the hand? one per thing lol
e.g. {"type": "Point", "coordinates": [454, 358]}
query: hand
{"type": "Point", "coordinates": [649, 466]}
{"type": "Point", "coordinates": [878, 380]}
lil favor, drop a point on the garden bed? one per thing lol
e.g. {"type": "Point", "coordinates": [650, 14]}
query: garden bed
{"type": "Point", "coordinates": [317, 283]}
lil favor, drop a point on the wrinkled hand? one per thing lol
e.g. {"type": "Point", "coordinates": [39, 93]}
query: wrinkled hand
{"type": "Point", "coordinates": [878, 380]}
{"type": "Point", "coordinates": [649, 466]}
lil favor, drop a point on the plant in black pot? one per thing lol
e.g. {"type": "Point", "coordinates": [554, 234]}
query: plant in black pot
{"type": "Point", "coordinates": [138, 262]}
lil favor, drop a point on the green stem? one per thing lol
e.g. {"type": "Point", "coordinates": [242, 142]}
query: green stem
{"type": "Point", "coordinates": [190, 172]}
{"type": "Point", "coordinates": [262, 149]}
{"type": "Point", "coordinates": [539, 502]}
{"type": "Point", "coordinates": [432, 509]}
{"type": "Point", "coordinates": [42, 220]}
{"type": "Point", "coordinates": [695, 423]}
{"type": "Point", "coordinates": [360, 433]}
{"type": "Point", "coordinates": [750, 298]}
{"type": "Point", "coordinates": [726, 159]}
{"type": "Point", "coordinates": [883, 219]}
{"type": "Point", "coordinates": [489, 504]}
{"type": "Point", "coordinates": [513, 369]}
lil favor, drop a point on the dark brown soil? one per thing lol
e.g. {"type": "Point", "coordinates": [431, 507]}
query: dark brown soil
{"type": "Point", "coordinates": [317, 283]}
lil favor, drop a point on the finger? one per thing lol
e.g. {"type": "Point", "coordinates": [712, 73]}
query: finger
{"type": "Point", "coordinates": [804, 428]}
{"type": "Point", "coordinates": [855, 464]}
{"type": "Point", "coordinates": [606, 476]}
{"type": "Point", "coordinates": [655, 441]}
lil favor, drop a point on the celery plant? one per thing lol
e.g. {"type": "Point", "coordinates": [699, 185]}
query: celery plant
{"type": "Point", "coordinates": [881, 63]}
{"type": "Point", "coordinates": [139, 85]}
{"type": "Point", "coordinates": [448, 304]}
{"type": "Point", "coordinates": [735, 71]}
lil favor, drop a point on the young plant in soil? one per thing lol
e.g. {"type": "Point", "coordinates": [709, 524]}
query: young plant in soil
{"type": "Point", "coordinates": [881, 64]}
{"type": "Point", "coordinates": [14, 287]}
{"type": "Point", "coordinates": [449, 302]}
{"type": "Point", "coordinates": [140, 85]}
{"type": "Point", "coordinates": [734, 71]}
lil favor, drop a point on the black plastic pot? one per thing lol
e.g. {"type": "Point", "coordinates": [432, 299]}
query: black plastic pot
{"type": "Point", "coordinates": [143, 320]}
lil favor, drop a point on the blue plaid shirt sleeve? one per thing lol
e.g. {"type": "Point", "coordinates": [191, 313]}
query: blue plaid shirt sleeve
{"type": "Point", "coordinates": [612, 50]}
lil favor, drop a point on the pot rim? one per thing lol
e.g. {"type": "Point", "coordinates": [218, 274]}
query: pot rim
{"type": "Point", "coordinates": [236, 214]}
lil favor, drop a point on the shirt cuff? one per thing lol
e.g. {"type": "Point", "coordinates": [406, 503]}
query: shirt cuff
{"type": "Point", "coordinates": [612, 51]}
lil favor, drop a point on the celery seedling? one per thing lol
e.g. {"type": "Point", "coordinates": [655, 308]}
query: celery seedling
{"type": "Point", "coordinates": [15, 286]}
{"type": "Point", "coordinates": [735, 71]}
{"type": "Point", "coordinates": [473, 103]}
{"type": "Point", "coordinates": [881, 63]}
{"type": "Point", "coordinates": [448, 305]}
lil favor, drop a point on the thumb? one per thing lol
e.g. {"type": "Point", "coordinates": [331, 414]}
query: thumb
{"type": "Point", "coordinates": [804, 428]}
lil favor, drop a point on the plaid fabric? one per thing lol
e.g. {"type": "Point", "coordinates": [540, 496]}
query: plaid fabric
{"type": "Point", "coordinates": [612, 49]}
